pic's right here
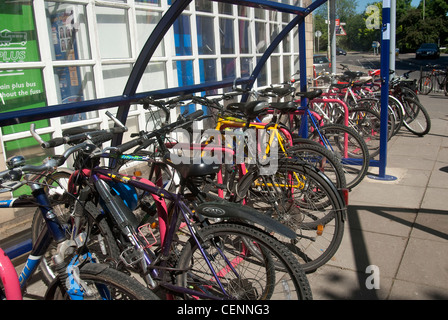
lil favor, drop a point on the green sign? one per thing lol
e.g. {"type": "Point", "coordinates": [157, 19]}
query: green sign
{"type": "Point", "coordinates": [19, 88]}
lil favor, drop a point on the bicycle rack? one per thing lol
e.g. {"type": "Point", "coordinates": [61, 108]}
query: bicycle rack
{"type": "Point", "coordinates": [129, 96]}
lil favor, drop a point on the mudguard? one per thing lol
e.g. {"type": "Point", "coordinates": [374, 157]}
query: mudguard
{"type": "Point", "coordinates": [225, 209]}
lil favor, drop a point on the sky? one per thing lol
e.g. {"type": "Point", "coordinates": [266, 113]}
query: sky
{"type": "Point", "coordinates": [362, 4]}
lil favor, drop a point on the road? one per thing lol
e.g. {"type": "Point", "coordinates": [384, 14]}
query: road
{"type": "Point", "coordinates": [404, 62]}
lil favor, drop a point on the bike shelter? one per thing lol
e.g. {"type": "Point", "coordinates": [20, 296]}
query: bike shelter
{"type": "Point", "coordinates": [129, 95]}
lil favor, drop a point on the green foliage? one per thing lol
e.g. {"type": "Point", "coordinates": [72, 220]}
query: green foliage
{"type": "Point", "coordinates": [411, 29]}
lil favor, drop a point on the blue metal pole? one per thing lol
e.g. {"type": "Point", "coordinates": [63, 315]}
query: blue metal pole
{"type": "Point", "coordinates": [303, 79]}
{"type": "Point", "coordinates": [385, 65]}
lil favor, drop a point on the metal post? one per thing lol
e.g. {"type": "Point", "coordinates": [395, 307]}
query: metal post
{"type": "Point", "coordinates": [385, 47]}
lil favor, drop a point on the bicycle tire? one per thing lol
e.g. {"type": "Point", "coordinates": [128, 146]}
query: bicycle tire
{"type": "Point", "coordinates": [397, 112]}
{"type": "Point", "coordinates": [322, 159]}
{"type": "Point", "coordinates": [63, 209]}
{"type": "Point", "coordinates": [425, 85]}
{"type": "Point", "coordinates": [120, 285]}
{"type": "Point", "coordinates": [416, 119]}
{"type": "Point", "coordinates": [354, 157]}
{"type": "Point", "coordinates": [445, 85]}
{"type": "Point", "coordinates": [313, 205]}
{"type": "Point", "coordinates": [265, 254]}
{"type": "Point", "coordinates": [367, 122]}
{"type": "Point", "coordinates": [375, 105]}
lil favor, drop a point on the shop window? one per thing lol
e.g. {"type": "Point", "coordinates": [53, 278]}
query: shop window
{"type": "Point", "coordinates": [225, 8]}
{"type": "Point", "coordinates": [204, 5]}
{"type": "Point", "coordinates": [227, 36]}
{"type": "Point", "coordinates": [182, 36]}
{"type": "Point", "coordinates": [113, 24]}
{"type": "Point", "coordinates": [207, 71]}
{"type": "Point", "coordinates": [149, 2]}
{"type": "Point", "coordinates": [245, 36]}
{"type": "Point", "coordinates": [246, 67]}
{"type": "Point", "coordinates": [75, 84]}
{"type": "Point", "coordinates": [68, 31]}
{"type": "Point", "coordinates": [206, 35]}
{"type": "Point", "coordinates": [228, 68]}
{"type": "Point", "coordinates": [154, 77]}
{"type": "Point", "coordinates": [275, 69]}
{"type": "Point", "coordinates": [146, 22]}
{"type": "Point", "coordinates": [115, 78]}
{"type": "Point", "coordinates": [260, 37]}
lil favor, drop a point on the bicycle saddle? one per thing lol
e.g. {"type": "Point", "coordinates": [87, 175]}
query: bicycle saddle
{"type": "Point", "coordinates": [250, 109]}
{"type": "Point", "coordinates": [188, 169]}
{"type": "Point", "coordinates": [353, 74]}
{"type": "Point", "coordinates": [279, 91]}
{"type": "Point", "coordinates": [310, 94]}
{"type": "Point", "coordinates": [288, 106]}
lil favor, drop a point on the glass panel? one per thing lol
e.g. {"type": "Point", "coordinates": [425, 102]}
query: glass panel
{"type": "Point", "coordinates": [68, 31]}
{"type": "Point", "coordinates": [115, 78]}
{"type": "Point", "coordinates": [286, 43]}
{"type": "Point", "coordinates": [182, 36]}
{"type": "Point", "coordinates": [206, 35]}
{"type": "Point", "coordinates": [260, 36]}
{"type": "Point", "coordinates": [245, 36]}
{"type": "Point", "coordinates": [149, 2]}
{"type": "Point", "coordinates": [228, 68]}
{"type": "Point", "coordinates": [246, 67]}
{"type": "Point", "coordinates": [243, 11]}
{"type": "Point", "coordinates": [113, 22]}
{"type": "Point", "coordinates": [225, 8]}
{"type": "Point", "coordinates": [207, 71]}
{"type": "Point", "coordinates": [154, 77]}
{"type": "Point", "coordinates": [262, 76]}
{"type": "Point", "coordinates": [274, 33]}
{"type": "Point", "coordinates": [183, 73]}
{"type": "Point", "coordinates": [275, 70]}
{"type": "Point", "coordinates": [146, 22]}
{"type": "Point", "coordinates": [227, 36]}
{"type": "Point", "coordinates": [75, 84]}
{"type": "Point", "coordinates": [260, 13]}
{"type": "Point", "coordinates": [286, 67]}
{"type": "Point", "coordinates": [204, 5]}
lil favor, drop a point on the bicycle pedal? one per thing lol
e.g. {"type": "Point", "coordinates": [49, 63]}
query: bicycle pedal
{"type": "Point", "coordinates": [131, 256]}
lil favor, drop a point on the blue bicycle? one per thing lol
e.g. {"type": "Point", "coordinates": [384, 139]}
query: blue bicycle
{"type": "Point", "coordinates": [78, 275]}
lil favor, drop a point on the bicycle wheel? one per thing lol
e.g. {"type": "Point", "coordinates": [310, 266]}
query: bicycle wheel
{"type": "Point", "coordinates": [249, 263]}
{"type": "Point", "coordinates": [104, 283]}
{"type": "Point", "coordinates": [445, 85]}
{"type": "Point", "coordinates": [322, 159]}
{"type": "Point", "coordinates": [425, 85]}
{"type": "Point", "coordinates": [349, 148]}
{"type": "Point", "coordinates": [367, 122]}
{"type": "Point", "coordinates": [100, 240]}
{"type": "Point", "coordinates": [397, 112]}
{"type": "Point", "coordinates": [306, 201]}
{"type": "Point", "coordinates": [416, 118]}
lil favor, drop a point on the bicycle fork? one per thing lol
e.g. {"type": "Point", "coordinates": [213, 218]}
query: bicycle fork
{"type": "Point", "coordinates": [127, 223]}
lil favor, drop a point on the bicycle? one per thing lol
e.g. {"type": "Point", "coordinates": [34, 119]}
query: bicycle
{"type": "Point", "coordinates": [169, 264]}
{"type": "Point", "coordinates": [436, 79]}
{"type": "Point", "coordinates": [79, 276]}
{"type": "Point", "coordinates": [9, 285]}
{"type": "Point", "coordinates": [297, 195]}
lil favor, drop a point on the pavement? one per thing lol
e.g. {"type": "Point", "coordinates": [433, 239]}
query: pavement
{"type": "Point", "coordinates": [396, 236]}
{"type": "Point", "coordinates": [395, 243]}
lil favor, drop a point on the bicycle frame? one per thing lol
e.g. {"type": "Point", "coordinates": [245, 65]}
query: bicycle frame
{"type": "Point", "coordinates": [167, 222]}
